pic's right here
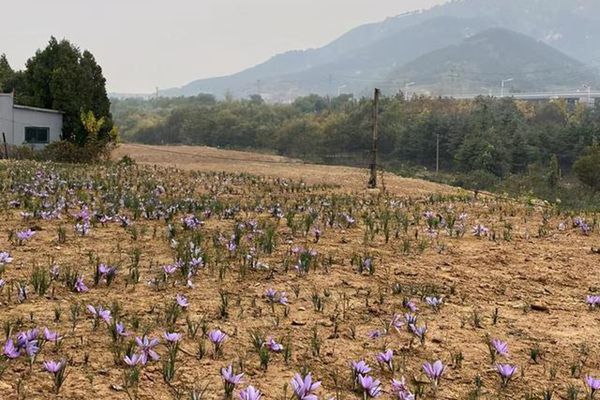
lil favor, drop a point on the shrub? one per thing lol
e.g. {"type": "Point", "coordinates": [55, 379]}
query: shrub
{"type": "Point", "coordinates": [587, 167]}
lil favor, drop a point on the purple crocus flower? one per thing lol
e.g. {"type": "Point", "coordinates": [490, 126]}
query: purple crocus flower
{"type": "Point", "coordinates": [146, 347]}
{"type": "Point", "coordinates": [480, 230]}
{"type": "Point", "coordinates": [23, 338]}
{"type": "Point", "coordinates": [273, 345]}
{"type": "Point", "coordinates": [371, 387]}
{"type": "Point", "coordinates": [230, 377]}
{"type": "Point", "coordinates": [506, 372]}
{"type": "Point", "coordinates": [283, 299]}
{"type": "Point", "coordinates": [386, 358]}
{"type": "Point", "coordinates": [182, 301]}
{"type": "Point", "coordinates": [5, 258]}
{"type": "Point", "coordinates": [593, 384]}
{"type": "Point", "coordinates": [271, 294]}
{"type": "Point", "coordinates": [100, 313]}
{"type": "Point", "coordinates": [593, 300]}
{"type": "Point", "coordinates": [135, 359]}
{"type": "Point", "coordinates": [25, 235]}
{"type": "Point", "coordinates": [32, 348]}
{"type": "Point", "coordinates": [170, 269]}
{"type": "Point", "coordinates": [52, 336]}
{"type": "Point", "coordinates": [9, 350]}
{"type": "Point", "coordinates": [410, 319]}
{"type": "Point", "coordinates": [410, 305]}
{"type": "Point", "coordinates": [376, 334]}
{"type": "Point", "coordinates": [419, 331]}
{"type": "Point", "coordinates": [397, 322]}
{"type": "Point", "coordinates": [217, 337]}
{"type": "Point", "coordinates": [434, 302]}
{"type": "Point", "coordinates": [500, 347]}
{"type": "Point", "coordinates": [120, 329]}
{"type": "Point", "coordinates": [54, 367]}
{"type": "Point", "coordinates": [360, 368]}
{"type": "Point", "coordinates": [55, 272]}
{"type": "Point", "coordinates": [80, 286]}
{"type": "Point", "coordinates": [434, 371]}
{"type": "Point", "coordinates": [304, 388]}
{"type": "Point", "coordinates": [250, 393]}
{"type": "Point", "coordinates": [172, 337]}
{"type": "Point", "coordinates": [401, 391]}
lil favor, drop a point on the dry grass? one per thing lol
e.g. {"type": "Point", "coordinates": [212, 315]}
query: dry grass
{"type": "Point", "coordinates": [196, 158]}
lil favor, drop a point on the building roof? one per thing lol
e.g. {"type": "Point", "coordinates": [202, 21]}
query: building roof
{"type": "Point", "coordinates": [46, 110]}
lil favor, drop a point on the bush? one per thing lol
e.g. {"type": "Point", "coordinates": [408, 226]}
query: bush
{"type": "Point", "coordinates": [65, 152]}
{"type": "Point", "coordinates": [587, 167]}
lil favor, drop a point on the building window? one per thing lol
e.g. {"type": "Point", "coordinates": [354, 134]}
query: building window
{"type": "Point", "coordinates": [37, 134]}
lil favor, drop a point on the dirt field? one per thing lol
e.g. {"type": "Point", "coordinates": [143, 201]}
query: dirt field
{"type": "Point", "coordinates": [198, 158]}
{"type": "Point", "coordinates": [524, 280]}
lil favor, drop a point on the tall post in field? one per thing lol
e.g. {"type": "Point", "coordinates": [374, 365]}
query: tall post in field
{"type": "Point", "coordinates": [5, 146]}
{"type": "Point", "coordinates": [373, 165]}
{"type": "Point", "coordinates": [437, 153]}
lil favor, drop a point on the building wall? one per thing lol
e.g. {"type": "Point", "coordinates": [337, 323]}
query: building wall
{"type": "Point", "coordinates": [6, 109]}
{"type": "Point", "coordinates": [14, 120]}
{"type": "Point", "coordinates": [29, 118]}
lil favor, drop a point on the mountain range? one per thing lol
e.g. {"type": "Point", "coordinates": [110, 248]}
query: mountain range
{"type": "Point", "coordinates": [462, 46]}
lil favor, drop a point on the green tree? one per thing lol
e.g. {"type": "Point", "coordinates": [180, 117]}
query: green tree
{"type": "Point", "coordinates": [62, 78]}
{"type": "Point", "coordinates": [587, 167]}
{"type": "Point", "coordinates": [6, 74]}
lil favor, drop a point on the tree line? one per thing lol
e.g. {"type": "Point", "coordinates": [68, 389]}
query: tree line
{"type": "Point", "coordinates": [484, 141]}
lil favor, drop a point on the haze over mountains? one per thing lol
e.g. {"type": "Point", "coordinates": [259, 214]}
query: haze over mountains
{"type": "Point", "coordinates": [465, 46]}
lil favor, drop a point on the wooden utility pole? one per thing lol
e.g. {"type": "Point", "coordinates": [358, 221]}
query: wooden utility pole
{"type": "Point", "coordinates": [437, 153]}
{"type": "Point", "coordinates": [373, 166]}
{"type": "Point", "coordinates": [5, 146]}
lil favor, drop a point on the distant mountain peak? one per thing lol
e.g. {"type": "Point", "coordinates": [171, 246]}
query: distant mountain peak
{"type": "Point", "coordinates": [377, 49]}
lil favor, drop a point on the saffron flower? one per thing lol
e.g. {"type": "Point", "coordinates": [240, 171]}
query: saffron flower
{"type": "Point", "coordinates": [230, 380]}
{"type": "Point", "coordinates": [53, 366]}
{"type": "Point", "coordinates": [23, 236]}
{"type": "Point", "coordinates": [400, 390]}
{"type": "Point", "coordinates": [146, 347]}
{"type": "Point", "coordinates": [360, 368]}
{"type": "Point", "coordinates": [371, 387]}
{"type": "Point", "coordinates": [304, 388]}
{"type": "Point", "coordinates": [593, 384]}
{"type": "Point", "coordinates": [273, 345]}
{"type": "Point", "coordinates": [9, 350]}
{"type": "Point", "coordinates": [420, 332]}
{"type": "Point", "coordinates": [506, 372]}
{"type": "Point", "coordinates": [172, 337]}
{"type": "Point", "coordinates": [57, 369]}
{"type": "Point", "coordinates": [100, 313]}
{"type": "Point", "coordinates": [499, 347]}
{"type": "Point", "coordinates": [434, 302]}
{"type": "Point", "coordinates": [182, 301]}
{"type": "Point", "coordinates": [5, 258]}
{"type": "Point", "coordinates": [80, 286]}
{"type": "Point", "coordinates": [217, 338]}
{"type": "Point", "coordinates": [434, 371]}
{"type": "Point", "coordinates": [134, 360]}
{"type": "Point", "coordinates": [480, 230]}
{"type": "Point", "coordinates": [250, 393]}
{"type": "Point", "coordinates": [593, 301]}
{"type": "Point", "coordinates": [386, 358]}
{"type": "Point", "coordinates": [52, 336]}
{"type": "Point", "coordinates": [396, 322]}
{"type": "Point", "coordinates": [120, 329]}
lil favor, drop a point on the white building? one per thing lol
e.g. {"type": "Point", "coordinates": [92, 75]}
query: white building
{"type": "Point", "coordinates": [23, 125]}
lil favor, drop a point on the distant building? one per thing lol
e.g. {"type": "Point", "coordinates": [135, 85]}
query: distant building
{"type": "Point", "coordinates": [24, 125]}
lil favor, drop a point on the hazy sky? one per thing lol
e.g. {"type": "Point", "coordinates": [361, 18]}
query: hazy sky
{"type": "Point", "coordinates": [142, 44]}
